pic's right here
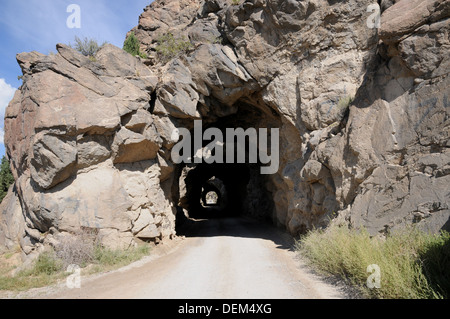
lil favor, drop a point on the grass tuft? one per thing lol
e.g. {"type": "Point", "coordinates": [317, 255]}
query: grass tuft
{"type": "Point", "coordinates": [170, 46]}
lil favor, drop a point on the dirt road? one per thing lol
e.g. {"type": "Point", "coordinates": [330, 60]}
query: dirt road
{"type": "Point", "coordinates": [223, 258]}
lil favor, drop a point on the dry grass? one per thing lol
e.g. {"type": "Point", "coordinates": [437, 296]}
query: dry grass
{"type": "Point", "coordinates": [44, 271]}
{"type": "Point", "coordinates": [50, 266]}
{"type": "Point", "coordinates": [413, 264]}
{"type": "Point", "coordinates": [78, 249]}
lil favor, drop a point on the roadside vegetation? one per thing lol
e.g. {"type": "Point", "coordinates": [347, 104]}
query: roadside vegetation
{"type": "Point", "coordinates": [51, 265]}
{"type": "Point", "coordinates": [412, 264]}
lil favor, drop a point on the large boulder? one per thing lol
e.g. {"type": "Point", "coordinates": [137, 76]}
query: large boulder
{"type": "Point", "coordinates": [68, 128]}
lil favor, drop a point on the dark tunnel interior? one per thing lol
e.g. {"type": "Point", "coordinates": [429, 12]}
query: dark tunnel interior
{"type": "Point", "coordinates": [218, 190]}
{"type": "Point", "coordinates": [230, 185]}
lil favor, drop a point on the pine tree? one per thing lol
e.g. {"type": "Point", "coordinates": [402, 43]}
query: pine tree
{"type": "Point", "coordinates": [132, 46]}
{"type": "Point", "coordinates": [6, 177]}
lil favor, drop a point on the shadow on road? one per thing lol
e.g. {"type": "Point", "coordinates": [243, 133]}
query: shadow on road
{"type": "Point", "coordinates": [244, 227]}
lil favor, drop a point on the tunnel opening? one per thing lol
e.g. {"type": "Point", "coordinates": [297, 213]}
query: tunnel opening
{"type": "Point", "coordinates": [210, 198]}
{"type": "Point", "coordinates": [223, 189]}
{"type": "Point", "coordinates": [214, 194]}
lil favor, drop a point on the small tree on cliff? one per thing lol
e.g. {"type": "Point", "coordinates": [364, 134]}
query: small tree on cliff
{"type": "Point", "coordinates": [6, 177]}
{"type": "Point", "coordinates": [132, 46]}
{"type": "Point", "coordinates": [87, 47]}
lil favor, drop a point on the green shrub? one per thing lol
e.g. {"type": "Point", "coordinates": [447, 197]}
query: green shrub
{"type": "Point", "coordinates": [87, 47]}
{"type": "Point", "coordinates": [235, 2]}
{"type": "Point", "coordinates": [169, 46]}
{"type": "Point", "coordinates": [6, 177]}
{"type": "Point", "coordinates": [413, 264]}
{"type": "Point", "coordinates": [132, 46]}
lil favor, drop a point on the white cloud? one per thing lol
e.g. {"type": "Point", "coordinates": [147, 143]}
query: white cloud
{"type": "Point", "coordinates": [6, 95]}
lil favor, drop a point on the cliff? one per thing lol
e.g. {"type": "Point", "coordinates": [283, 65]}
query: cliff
{"type": "Point", "coordinates": [362, 112]}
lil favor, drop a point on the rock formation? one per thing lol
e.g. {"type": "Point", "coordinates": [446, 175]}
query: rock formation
{"type": "Point", "coordinates": [363, 114]}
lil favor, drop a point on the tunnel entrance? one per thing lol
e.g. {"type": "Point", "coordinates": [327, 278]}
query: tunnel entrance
{"type": "Point", "coordinates": [219, 190]}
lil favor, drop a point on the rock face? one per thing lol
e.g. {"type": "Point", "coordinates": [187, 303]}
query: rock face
{"type": "Point", "coordinates": [363, 115]}
{"type": "Point", "coordinates": [84, 146]}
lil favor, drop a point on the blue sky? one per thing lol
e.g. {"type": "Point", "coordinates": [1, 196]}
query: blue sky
{"type": "Point", "coordinates": [38, 25]}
